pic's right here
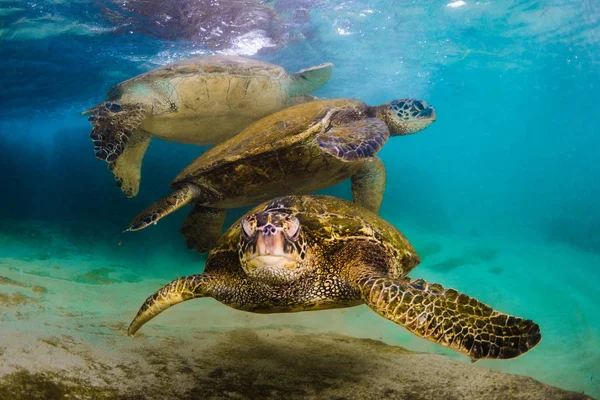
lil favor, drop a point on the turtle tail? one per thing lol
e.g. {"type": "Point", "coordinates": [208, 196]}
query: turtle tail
{"type": "Point", "coordinates": [177, 291]}
{"type": "Point", "coordinates": [310, 79]}
{"type": "Point", "coordinates": [163, 207]}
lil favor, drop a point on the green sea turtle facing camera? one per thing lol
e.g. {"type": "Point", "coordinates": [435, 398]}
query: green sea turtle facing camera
{"type": "Point", "coordinates": [298, 150]}
{"type": "Point", "coordinates": [202, 100]}
{"type": "Point", "coordinates": [301, 253]}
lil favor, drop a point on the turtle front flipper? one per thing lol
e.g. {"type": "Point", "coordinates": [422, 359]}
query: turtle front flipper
{"type": "Point", "coordinates": [307, 80]}
{"type": "Point", "coordinates": [449, 318]}
{"type": "Point", "coordinates": [368, 184]}
{"type": "Point", "coordinates": [113, 124]}
{"type": "Point", "coordinates": [229, 289]}
{"type": "Point", "coordinates": [179, 290]}
{"type": "Point", "coordinates": [163, 207]}
{"type": "Point", "coordinates": [203, 227]}
{"type": "Point", "coordinates": [354, 140]}
{"type": "Point", "coordinates": [127, 169]}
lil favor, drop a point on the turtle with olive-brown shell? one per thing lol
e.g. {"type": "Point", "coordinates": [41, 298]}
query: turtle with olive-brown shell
{"type": "Point", "coordinates": [201, 100]}
{"type": "Point", "coordinates": [298, 150]}
{"type": "Point", "coordinates": [301, 253]}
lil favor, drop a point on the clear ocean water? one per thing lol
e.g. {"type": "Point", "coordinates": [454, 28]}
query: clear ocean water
{"type": "Point", "coordinates": [499, 196]}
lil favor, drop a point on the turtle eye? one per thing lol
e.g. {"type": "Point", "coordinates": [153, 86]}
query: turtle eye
{"type": "Point", "coordinates": [248, 227]}
{"type": "Point", "coordinates": [291, 227]}
{"type": "Point", "coordinates": [113, 107]}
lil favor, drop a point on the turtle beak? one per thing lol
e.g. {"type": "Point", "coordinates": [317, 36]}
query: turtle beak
{"type": "Point", "coordinates": [270, 241]}
{"type": "Point", "coordinates": [271, 249]}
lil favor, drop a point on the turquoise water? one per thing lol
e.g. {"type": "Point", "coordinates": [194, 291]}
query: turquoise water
{"type": "Point", "coordinates": [499, 196]}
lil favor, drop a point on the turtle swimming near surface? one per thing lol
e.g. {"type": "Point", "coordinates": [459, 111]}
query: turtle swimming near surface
{"type": "Point", "coordinates": [202, 100]}
{"type": "Point", "coordinates": [298, 150]}
{"type": "Point", "coordinates": [301, 253]}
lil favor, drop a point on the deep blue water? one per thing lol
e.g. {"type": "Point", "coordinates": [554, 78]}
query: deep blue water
{"type": "Point", "coordinates": [512, 158]}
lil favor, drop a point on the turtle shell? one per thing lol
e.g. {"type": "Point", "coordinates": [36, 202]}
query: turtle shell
{"type": "Point", "coordinates": [218, 66]}
{"type": "Point", "coordinates": [331, 222]}
{"type": "Point", "coordinates": [274, 132]}
{"type": "Point", "coordinates": [205, 100]}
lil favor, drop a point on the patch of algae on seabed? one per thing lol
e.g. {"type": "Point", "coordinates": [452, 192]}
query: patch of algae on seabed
{"type": "Point", "coordinates": [17, 298]}
{"type": "Point", "coordinates": [268, 364]}
{"type": "Point", "coordinates": [35, 289]}
{"type": "Point", "coordinates": [96, 276]}
{"type": "Point", "coordinates": [23, 385]}
{"type": "Point", "coordinates": [100, 276]}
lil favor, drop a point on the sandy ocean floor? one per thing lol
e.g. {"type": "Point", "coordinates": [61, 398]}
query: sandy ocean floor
{"type": "Point", "coordinates": [65, 305]}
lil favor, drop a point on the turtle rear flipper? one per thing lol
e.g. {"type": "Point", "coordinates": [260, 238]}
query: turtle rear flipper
{"type": "Point", "coordinates": [127, 168]}
{"type": "Point", "coordinates": [203, 227]}
{"type": "Point", "coordinates": [307, 80]}
{"type": "Point", "coordinates": [113, 126]}
{"type": "Point", "coordinates": [449, 318]}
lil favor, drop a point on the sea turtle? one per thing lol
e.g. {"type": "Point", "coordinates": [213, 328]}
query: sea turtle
{"type": "Point", "coordinates": [301, 253]}
{"type": "Point", "coordinates": [298, 150]}
{"type": "Point", "coordinates": [202, 100]}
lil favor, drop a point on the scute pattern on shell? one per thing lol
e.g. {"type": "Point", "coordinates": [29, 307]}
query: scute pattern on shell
{"type": "Point", "coordinates": [283, 129]}
{"type": "Point", "coordinates": [225, 66]}
{"type": "Point", "coordinates": [330, 225]}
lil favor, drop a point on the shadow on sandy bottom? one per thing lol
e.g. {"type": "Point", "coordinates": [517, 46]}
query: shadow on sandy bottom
{"type": "Point", "coordinates": [258, 368]}
{"type": "Point", "coordinates": [278, 364]}
{"type": "Point", "coordinates": [581, 234]}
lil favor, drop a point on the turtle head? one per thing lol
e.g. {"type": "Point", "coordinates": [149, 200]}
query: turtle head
{"type": "Point", "coordinates": [272, 247]}
{"type": "Point", "coordinates": [406, 116]}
